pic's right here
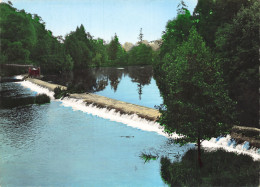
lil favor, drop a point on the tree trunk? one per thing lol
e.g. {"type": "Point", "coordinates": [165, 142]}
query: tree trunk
{"type": "Point", "coordinates": [199, 154]}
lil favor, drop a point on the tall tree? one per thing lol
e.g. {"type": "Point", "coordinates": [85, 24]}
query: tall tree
{"type": "Point", "coordinates": [177, 31]}
{"type": "Point", "coordinates": [141, 36]}
{"type": "Point", "coordinates": [116, 54]}
{"type": "Point", "coordinates": [196, 104]}
{"type": "Point", "coordinates": [113, 48]}
{"type": "Point", "coordinates": [79, 45]}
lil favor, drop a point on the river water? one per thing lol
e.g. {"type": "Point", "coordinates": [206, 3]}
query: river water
{"type": "Point", "coordinates": [132, 84]}
{"type": "Point", "coordinates": [54, 145]}
{"type": "Point", "coordinates": [66, 143]}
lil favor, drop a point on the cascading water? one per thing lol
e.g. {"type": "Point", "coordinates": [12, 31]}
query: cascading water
{"type": "Point", "coordinates": [136, 122]}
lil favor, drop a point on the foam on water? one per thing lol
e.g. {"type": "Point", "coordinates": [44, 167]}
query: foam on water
{"type": "Point", "coordinates": [136, 122]}
{"type": "Point", "coordinates": [36, 88]}
{"type": "Point", "coordinates": [19, 77]}
{"type": "Point", "coordinates": [230, 145]}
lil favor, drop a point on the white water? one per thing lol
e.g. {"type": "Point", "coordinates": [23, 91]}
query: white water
{"type": "Point", "coordinates": [143, 124]}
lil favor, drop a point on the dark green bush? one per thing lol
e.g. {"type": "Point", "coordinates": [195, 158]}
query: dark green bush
{"type": "Point", "coordinates": [59, 93]}
{"type": "Point", "coordinates": [42, 99]}
{"type": "Point", "coordinates": [220, 168]}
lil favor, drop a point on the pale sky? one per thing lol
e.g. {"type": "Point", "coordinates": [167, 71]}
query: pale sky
{"type": "Point", "coordinates": [104, 18]}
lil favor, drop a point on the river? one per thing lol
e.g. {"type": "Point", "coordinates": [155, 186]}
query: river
{"type": "Point", "coordinates": [54, 145]}
{"type": "Point", "coordinates": [66, 143]}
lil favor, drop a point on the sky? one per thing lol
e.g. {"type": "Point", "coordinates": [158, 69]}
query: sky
{"type": "Point", "coordinates": [104, 18]}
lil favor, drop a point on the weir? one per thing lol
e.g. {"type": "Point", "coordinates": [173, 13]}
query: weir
{"type": "Point", "coordinates": [91, 104]}
{"type": "Point", "coordinates": [105, 102]}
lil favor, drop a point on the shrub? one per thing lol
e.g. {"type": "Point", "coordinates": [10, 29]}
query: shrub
{"type": "Point", "coordinates": [59, 93]}
{"type": "Point", "coordinates": [42, 99]}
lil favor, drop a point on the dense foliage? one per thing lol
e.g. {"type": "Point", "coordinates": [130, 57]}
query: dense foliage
{"type": "Point", "coordinates": [211, 14]}
{"type": "Point", "coordinates": [141, 55]}
{"type": "Point", "coordinates": [177, 31]}
{"type": "Point", "coordinates": [208, 62]}
{"type": "Point", "coordinates": [79, 46]}
{"type": "Point", "coordinates": [116, 54]}
{"type": "Point", "coordinates": [196, 103]}
{"type": "Point", "coordinates": [225, 169]}
{"type": "Point", "coordinates": [198, 80]}
{"type": "Point", "coordinates": [238, 46]}
{"type": "Point", "coordinates": [25, 40]}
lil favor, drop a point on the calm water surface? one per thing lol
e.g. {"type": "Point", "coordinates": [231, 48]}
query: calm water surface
{"type": "Point", "coordinates": [133, 84]}
{"type": "Point", "coordinates": [52, 145]}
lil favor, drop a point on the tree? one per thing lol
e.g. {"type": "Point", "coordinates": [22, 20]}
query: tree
{"type": "Point", "coordinates": [177, 31]}
{"type": "Point", "coordinates": [182, 7]}
{"type": "Point", "coordinates": [238, 46]}
{"type": "Point", "coordinates": [116, 54]}
{"type": "Point", "coordinates": [196, 104]}
{"type": "Point", "coordinates": [140, 37]}
{"type": "Point", "coordinates": [211, 14]}
{"type": "Point", "coordinates": [24, 40]}
{"type": "Point", "coordinates": [113, 48]}
{"type": "Point", "coordinates": [100, 54]}
{"type": "Point", "coordinates": [10, 3]}
{"type": "Point", "coordinates": [79, 45]}
{"type": "Point", "coordinates": [140, 55]}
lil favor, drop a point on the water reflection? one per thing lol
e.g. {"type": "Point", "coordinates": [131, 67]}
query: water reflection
{"type": "Point", "coordinates": [97, 79]}
{"type": "Point", "coordinates": [142, 76]}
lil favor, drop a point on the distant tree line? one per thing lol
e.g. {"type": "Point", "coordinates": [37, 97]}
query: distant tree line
{"type": "Point", "coordinates": [25, 40]}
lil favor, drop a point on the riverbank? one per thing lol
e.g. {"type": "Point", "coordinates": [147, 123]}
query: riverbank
{"type": "Point", "coordinates": [239, 133]}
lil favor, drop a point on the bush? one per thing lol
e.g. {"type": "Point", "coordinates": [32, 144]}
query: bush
{"type": "Point", "coordinates": [220, 168]}
{"type": "Point", "coordinates": [42, 99]}
{"type": "Point", "coordinates": [59, 93]}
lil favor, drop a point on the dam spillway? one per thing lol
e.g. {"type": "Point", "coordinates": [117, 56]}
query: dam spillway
{"type": "Point", "coordinates": [105, 102]}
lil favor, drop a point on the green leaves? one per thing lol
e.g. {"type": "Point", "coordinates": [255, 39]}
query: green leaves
{"type": "Point", "coordinates": [195, 99]}
{"type": "Point", "coordinates": [140, 55]}
{"type": "Point", "coordinates": [237, 43]}
{"type": "Point", "coordinates": [176, 31]}
{"type": "Point", "coordinates": [79, 45]}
